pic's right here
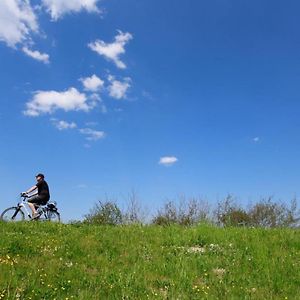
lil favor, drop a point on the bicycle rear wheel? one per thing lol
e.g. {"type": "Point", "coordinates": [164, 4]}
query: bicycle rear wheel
{"type": "Point", "coordinates": [53, 216]}
{"type": "Point", "coordinates": [12, 214]}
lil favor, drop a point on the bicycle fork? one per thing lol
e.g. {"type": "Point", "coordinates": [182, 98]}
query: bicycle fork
{"type": "Point", "coordinates": [21, 205]}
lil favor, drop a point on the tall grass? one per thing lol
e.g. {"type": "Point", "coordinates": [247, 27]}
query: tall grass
{"type": "Point", "coordinates": [57, 261]}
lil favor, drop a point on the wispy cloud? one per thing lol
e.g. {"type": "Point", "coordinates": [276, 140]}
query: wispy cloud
{"type": "Point", "coordinates": [46, 102]}
{"type": "Point", "coordinates": [118, 89]}
{"type": "Point", "coordinates": [91, 134]}
{"type": "Point", "coordinates": [96, 100]}
{"type": "Point", "coordinates": [58, 8]}
{"type": "Point", "coordinates": [63, 125]}
{"type": "Point", "coordinates": [256, 139]}
{"type": "Point", "coordinates": [168, 160]}
{"type": "Point", "coordinates": [112, 51]}
{"type": "Point", "coordinates": [43, 57]}
{"type": "Point", "coordinates": [17, 21]}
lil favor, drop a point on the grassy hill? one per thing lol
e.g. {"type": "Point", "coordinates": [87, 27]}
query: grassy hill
{"type": "Point", "coordinates": [57, 261]}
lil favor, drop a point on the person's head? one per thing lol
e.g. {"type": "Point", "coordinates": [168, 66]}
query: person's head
{"type": "Point", "coordinates": [39, 177]}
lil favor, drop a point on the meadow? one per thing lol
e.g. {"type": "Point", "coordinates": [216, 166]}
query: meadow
{"type": "Point", "coordinates": [64, 261]}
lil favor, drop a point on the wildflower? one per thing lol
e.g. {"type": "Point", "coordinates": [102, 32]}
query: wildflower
{"type": "Point", "coordinates": [219, 272]}
{"type": "Point", "coordinates": [196, 249]}
{"type": "Point", "coordinates": [69, 264]}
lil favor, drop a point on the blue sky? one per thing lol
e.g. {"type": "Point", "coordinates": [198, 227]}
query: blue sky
{"type": "Point", "coordinates": [164, 97]}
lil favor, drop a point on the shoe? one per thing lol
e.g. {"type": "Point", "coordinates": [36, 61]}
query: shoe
{"type": "Point", "coordinates": [36, 216]}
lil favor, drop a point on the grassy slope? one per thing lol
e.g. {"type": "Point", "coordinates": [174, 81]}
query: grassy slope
{"type": "Point", "coordinates": [55, 261]}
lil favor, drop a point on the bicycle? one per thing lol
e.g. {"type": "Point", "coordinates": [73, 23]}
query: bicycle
{"type": "Point", "coordinates": [48, 212]}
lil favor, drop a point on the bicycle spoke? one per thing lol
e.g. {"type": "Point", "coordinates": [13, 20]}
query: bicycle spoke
{"type": "Point", "coordinates": [12, 214]}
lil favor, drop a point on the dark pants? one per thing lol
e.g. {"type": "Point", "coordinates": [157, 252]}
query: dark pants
{"type": "Point", "coordinates": [38, 200]}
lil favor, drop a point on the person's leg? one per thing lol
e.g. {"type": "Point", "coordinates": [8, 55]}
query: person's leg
{"type": "Point", "coordinates": [32, 201]}
{"type": "Point", "coordinates": [32, 207]}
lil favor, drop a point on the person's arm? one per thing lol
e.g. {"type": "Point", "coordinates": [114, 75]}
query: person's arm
{"type": "Point", "coordinates": [31, 189]}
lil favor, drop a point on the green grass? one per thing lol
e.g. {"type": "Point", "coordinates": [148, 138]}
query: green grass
{"type": "Point", "coordinates": [57, 261]}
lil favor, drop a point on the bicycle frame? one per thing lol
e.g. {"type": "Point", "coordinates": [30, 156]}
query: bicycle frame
{"type": "Point", "coordinates": [22, 205]}
{"type": "Point", "coordinates": [44, 209]}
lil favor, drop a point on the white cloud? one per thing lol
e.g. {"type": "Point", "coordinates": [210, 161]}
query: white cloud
{"type": "Point", "coordinates": [44, 102]}
{"type": "Point", "coordinates": [63, 125]}
{"type": "Point", "coordinates": [168, 160]}
{"type": "Point", "coordinates": [58, 8]}
{"type": "Point", "coordinates": [93, 83]}
{"type": "Point", "coordinates": [112, 51]}
{"type": "Point", "coordinates": [118, 89]}
{"type": "Point", "coordinates": [17, 21]}
{"type": "Point", "coordinates": [43, 57]}
{"type": "Point", "coordinates": [256, 139]}
{"type": "Point", "coordinates": [91, 134]}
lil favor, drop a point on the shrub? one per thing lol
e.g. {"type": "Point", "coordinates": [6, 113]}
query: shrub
{"type": "Point", "coordinates": [228, 213]}
{"type": "Point", "coordinates": [167, 215]}
{"type": "Point", "coordinates": [134, 213]}
{"type": "Point", "coordinates": [267, 213]}
{"type": "Point", "coordinates": [189, 212]}
{"type": "Point", "coordinates": [104, 213]}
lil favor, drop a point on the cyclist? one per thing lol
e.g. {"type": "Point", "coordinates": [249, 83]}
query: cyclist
{"type": "Point", "coordinates": [42, 196]}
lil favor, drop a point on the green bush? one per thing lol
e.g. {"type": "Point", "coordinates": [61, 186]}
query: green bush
{"type": "Point", "coordinates": [267, 213]}
{"type": "Point", "coordinates": [228, 213]}
{"type": "Point", "coordinates": [104, 213]}
{"type": "Point", "coordinates": [187, 213]}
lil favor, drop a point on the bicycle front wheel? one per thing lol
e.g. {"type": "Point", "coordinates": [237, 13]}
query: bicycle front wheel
{"type": "Point", "coordinates": [12, 214]}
